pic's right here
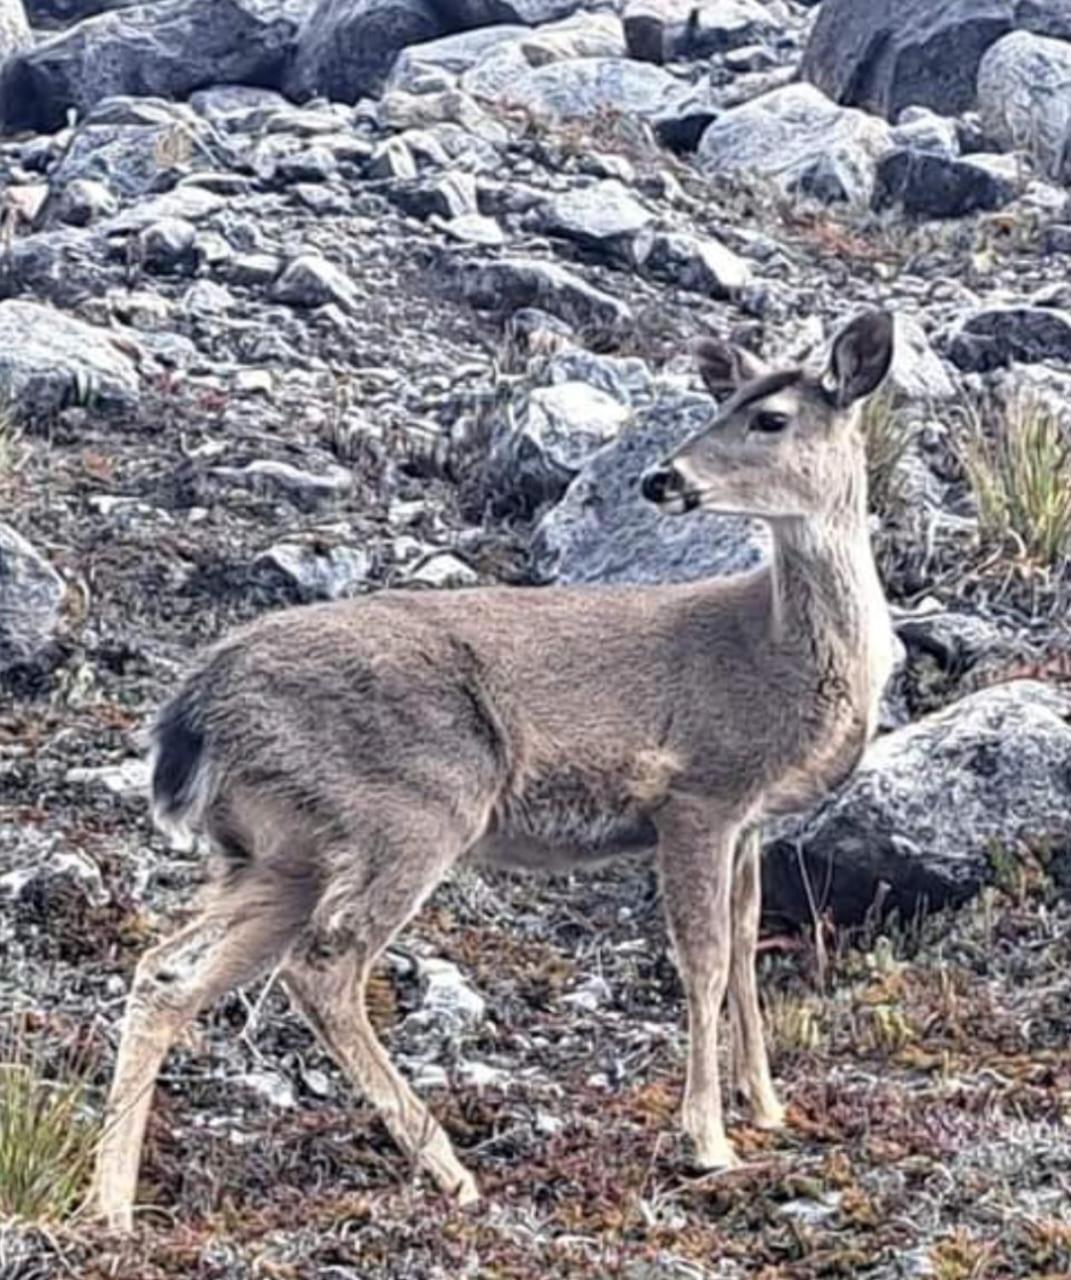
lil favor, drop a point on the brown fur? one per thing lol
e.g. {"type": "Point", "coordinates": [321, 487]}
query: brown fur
{"type": "Point", "coordinates": [347, 755]}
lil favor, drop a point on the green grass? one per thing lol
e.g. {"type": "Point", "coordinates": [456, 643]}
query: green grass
{"type": "Point", "coordinates": [888, 433]}
{"type": "Point", "coordinates": [47, 1134]}
{"type": "Point", "coordinates": [1017, 457]}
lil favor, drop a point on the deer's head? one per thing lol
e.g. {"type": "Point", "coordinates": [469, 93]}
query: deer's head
{"type": "Point", "coordinates": [780, 444]}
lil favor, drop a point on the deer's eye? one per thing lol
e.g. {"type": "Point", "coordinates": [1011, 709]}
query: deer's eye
{"type": "Point", "coordinates": [769, 423]}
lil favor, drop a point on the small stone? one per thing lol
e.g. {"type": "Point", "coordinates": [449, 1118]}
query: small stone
{"type": "Point", "coordinates": [168, 245]}
{"type": "Point", "coordinates": [703, 264]}
{"type": "Point", "coordinates": [84, 200]}
{"type": "Point", "coordinates": [392, 159]}
{"type": "Point", "coordinates": [444, 569]}
{"type": "Point", "coordinates": [31, 593]}
{"type": "Point", "coordinates": [131, 778]}
{"type": "Point", "coordinates": [318, 573]}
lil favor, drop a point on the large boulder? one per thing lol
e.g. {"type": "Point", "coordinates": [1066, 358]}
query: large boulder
{"type": "Point", "coordinates": [1024, 94]}
{"type": "Point", "coordinates": [604, 530]}
{"type": "Point", "coordinates": [799, 139]}
{"type": "Point", "coordinates": [994, 337]}
{"type": "Point", "coordinates": [168, 48]}
{"type": "Point", "coordinates": [885, 55]}
{"type": "Point", "coordinates": [585, 88]}
{"type": "Point", "coordinates": [31, 593]}
{"type": "Point", "coordinates": [935, 811]}
{"type": "Point", "coordinates": [347, 47]}
{"type": "Point", "coordinates": [49, 360]}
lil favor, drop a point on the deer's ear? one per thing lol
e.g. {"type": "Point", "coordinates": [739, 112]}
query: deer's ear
{"type": "Point", "coordinates": [724, 367]}
{"type": "Point", "coordinates": [860, 358]}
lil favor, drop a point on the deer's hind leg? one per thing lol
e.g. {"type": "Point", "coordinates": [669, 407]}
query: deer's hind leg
{"type": "Point", "coordinates": [381, 884]}
{"type": "Point", "coordinates": [236, 939]}
{"type": "Point", "coordinates": [748, 1042]}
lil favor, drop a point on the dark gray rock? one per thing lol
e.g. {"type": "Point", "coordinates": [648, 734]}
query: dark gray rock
{"type": "Point", "coordinates": [347, 47]}
{"type": "Point", "coordinates": [929, 185]}
{"type": "Point", "coordinates": [48, 15]}
{"type": "Point", "coordinates": [168, 245]}
{"type": "Point", "coordinates": [509, 284]}
{"type": "Point", "coordinates": [168, 48]}
{"type": "Point", "coordinates": [934, 809]}
{"type": "Point", "coordinates": [996, 336]}
{"type": "Point", "coordinates": [885, 55]}
{"type": "Point", "coordinates": [465, 14]}
{"type": "Point", "coordinates": [603, 530]}
{"type": "Point", "coordinates": [31, 593]}
{"type": "Point", "coordinates": [49, 360]}
{"type": "Point", "coordinates": [798, 138]}
{"type": "Point", "coordinates": [693, 262]}
{"type": "Point", "coordinates": [1024, 95]}
{"type": "Point", "coordinates": [673, 30]}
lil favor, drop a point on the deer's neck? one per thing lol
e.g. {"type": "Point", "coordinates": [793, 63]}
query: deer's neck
{"type": "Point", "coordinates": [826, 598]}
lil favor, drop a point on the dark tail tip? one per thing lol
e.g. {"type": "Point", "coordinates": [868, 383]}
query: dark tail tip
{"type": "Point", "coordinates": [180, 746]}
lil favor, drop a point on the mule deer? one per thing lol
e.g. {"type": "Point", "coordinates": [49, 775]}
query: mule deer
{"type": "Point", "coordinates": [340, 758]}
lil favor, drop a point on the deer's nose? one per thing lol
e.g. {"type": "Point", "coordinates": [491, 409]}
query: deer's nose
{"type": "Point", "coordinates": [660, 484]}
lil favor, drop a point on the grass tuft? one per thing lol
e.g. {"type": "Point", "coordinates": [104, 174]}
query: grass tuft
{"type": "Point", "coordinates": [887, 433]}
{"type": "Point", "coordinates": [47, 1135]}
{"type": "Point", "coordinates": [1017, 457]}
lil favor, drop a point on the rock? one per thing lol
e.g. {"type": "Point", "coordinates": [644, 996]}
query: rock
{"type": "Point", "coordinates": [884, 57]}
{"type": "Point", "coordinates": [347, 47]}
{"type": "Point", "coordinates": [314, 572]}
{"type": "Point", "coordinates": [918, 129]}
{"type": "Point", "coordinates": [168, 245]}
{"type": "Point", "coordinates": [49, 360]}
{"type": "Point", "coordinates": [474, 228]}
{"type": "Point", "coordinates": [995, 336]}
{"type": "Point", "coordinates": [443, 569]}
{"type": "Point", "coordinates": [584, 88]}
{"type": "Point", "coordinates": [604, 531]}
{"type": "Point", "coordinates": [312, 281]}
{"type": "Point", "coordinates": [14, 29]}
{"type": "Point", "coordinates": [485, 13]}
{"type": "Point", "coordinates": [802, 141]}
{"type": "Point", "coordinates": [453, 195]}
{"type": "Point", "coordinates": [934, 808]}
{"type": "Point", "coordinates": [928, 185]}
{"type": "Point", "coordinates": [510, 284]}
{"type": "Point", "coordinates": [533, 460]}
{"type": "Point", "coordinates": [449, 1004]}
{"type": "Point", "coordinates": [392, 159]}
{"type": "Point", "coordinates": [31, 593]}
{"type": "Point", "coordinates": [83, 201]}
{"type": "Point", "coordinates": [59, 881]}
{"type": "Point", "coordinates": [168, 48]}
{"type": "Point", "coordinates": [674, 30]}
{"type": "Point", "coordinates": [47, 15]}
{"type": "Point", "coordinates": [702, 264]}
{"type": "Point", "coordinates": [1024, 95]}
{"type": "Point", "coordinates": [131, 778]}
{"type": "Point", "coordinates": [450, 55]}
{"type": "Point", "coordinates": [625, 378]}
{"type": "Point", "coordinates": [917, 374]}
{"type": "Point", "coordinates": [601, 215]}
{"type": "Point", "coordinates": [300, 485]}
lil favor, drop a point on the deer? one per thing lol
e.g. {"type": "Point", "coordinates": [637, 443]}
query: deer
{"type": "Point", "coordinates": [339, 759]}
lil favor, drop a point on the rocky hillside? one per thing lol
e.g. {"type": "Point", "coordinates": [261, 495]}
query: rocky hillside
{"type": "Point", "coordinates": [301, 299]}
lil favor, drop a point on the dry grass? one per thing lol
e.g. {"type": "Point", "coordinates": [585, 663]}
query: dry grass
{"type": "Point", "coordinates": [47, 1135]}
{"type": "Point", "coordinates": [1017, 457]}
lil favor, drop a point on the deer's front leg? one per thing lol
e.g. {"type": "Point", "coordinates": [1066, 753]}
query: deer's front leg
{"type": "Point", "coordinates": [696, 865]}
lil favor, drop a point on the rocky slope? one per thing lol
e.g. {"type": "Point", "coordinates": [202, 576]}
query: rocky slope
{"type": "Point", "coordinates": [303, 299]}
